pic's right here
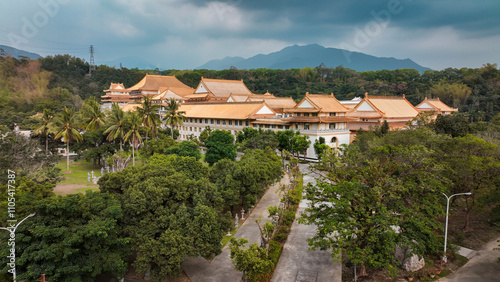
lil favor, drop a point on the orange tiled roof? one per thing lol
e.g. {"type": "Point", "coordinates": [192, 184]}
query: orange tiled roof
{"type": "Point", "coordinates": [320, 103]}
{"type": "Point", "coordinates": [277, 103]}
{"type": "Point", "coordinates": [116, 87]}
{"type": "Point", "coordinates": [155, 82]}
{"type": "Point", "coordinates": [223, 87]}
{"type": "Point", "coordinates": [387, 106]}
{"type": "Point", "coordinates": [435, 105]}
{"type": "Point", "coordinates": [173, 92]}
{"type": "Point", "coordinates": [239, 97]}
{"type": "Point", "coordinates": [131, 107]}
{"type": "Point", "coordinates": [225, 110]}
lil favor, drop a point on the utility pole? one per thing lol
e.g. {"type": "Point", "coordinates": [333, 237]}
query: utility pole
{"type": "Point", "coordinates": [92, 62]}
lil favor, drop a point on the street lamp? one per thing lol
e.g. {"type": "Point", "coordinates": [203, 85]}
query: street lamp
{"type": "Point", "coordinates": [12, 229]}
{"type": "Point", "coordinates": [445, 259]}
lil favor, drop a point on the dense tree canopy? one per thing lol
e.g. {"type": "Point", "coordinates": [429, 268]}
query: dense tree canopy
{"type": "Point", "coordinates": [71, 238]}
{"type": "Point", "coordinates": [171, 211]}
{"type": "Point", "coordinates": [220, 145]}
{"type": "Point", "coordinates": [370, 202]}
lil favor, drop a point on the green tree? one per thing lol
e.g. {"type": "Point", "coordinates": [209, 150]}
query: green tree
{"type": "Point", "coordinates": [220, 145]}
{"type": "Point", "coordinates": [157, 146]}
{"type": "Point", "coordinates": [135, 123]}
{"type": "Point", "coordinates": [253, 261]}
{"type": "Point", "coordinates": [65, 127]}
{"type": "Point", "coordinates": [472, 165]}
{"type": "Point", "coordinates": [300, 143]}
{"type": "Point", "coordinates": [92, 116]}
{"type": "Point", "coordinates": [117, 124]}
{"type": "Point", "coordinates": [185, 149]}
{"type": "Point", "coordinates": [320, 148]}
{"type": "Point", "coordinates": [149, 115]}
{"type": "Point", "coordinates": [204, 134]}
{"type": "Point", "coordinates": [261, 141]}
{"type": "Point", "coordinates": [222, 175]}
{"type": "Point", "coordinates": [454, 94]}
{"type": "Point", "coordinates": [173, 116]}
{"type": "Point", "coordinates": [367, 196]}
{"type": "Point", "coordinates": [456, 125]}
{"type": "Point", "coordinates": [44, 127]}
{"type": "Point", "coordinates": [171, 211]}
{"type": "Point", "coordinates": [247, 133]}
{"type": "Point", "coordinates": [256, 170]}
{"type": "Point", "coordinates": [285, 141]}
{"type": "Point", "coordinates": [72, 238]}
{"type": "Point", "coordinates": [94, 147]}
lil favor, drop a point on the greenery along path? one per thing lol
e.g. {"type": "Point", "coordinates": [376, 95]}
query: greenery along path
{"type": "Point", "coordinates": [221, 268]}
{"type": "Point", "coordinates": [297, 262]}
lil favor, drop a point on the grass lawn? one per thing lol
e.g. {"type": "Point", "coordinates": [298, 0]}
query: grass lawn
{"type": "Point", "coordinates": [80, 169]}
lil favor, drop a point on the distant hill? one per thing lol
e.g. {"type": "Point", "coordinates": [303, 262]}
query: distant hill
{"type": "Point", "coordinates": [312, 56]}
{"type": "Point", "coordinates": [16, 53]}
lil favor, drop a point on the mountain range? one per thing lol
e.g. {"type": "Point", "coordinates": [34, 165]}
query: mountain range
{"type": "Point", "coordinates": [312, 56]}
{"type": "Point", "coordinates": [16, 53]}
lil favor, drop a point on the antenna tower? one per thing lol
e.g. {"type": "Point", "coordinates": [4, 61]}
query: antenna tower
{"type": "Point", "coordinates": [92, 62]}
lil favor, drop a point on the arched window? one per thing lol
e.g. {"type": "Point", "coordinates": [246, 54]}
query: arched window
{"type": "Point", "coordinates": [333, 140]}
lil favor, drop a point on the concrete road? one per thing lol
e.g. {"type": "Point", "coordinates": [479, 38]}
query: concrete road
{"type": "Point", "coordinates": [221, 269]}
{"type": "Point", "coordinates": [483, 267]}
{"type": "Point", "coordinates": [297, 262]}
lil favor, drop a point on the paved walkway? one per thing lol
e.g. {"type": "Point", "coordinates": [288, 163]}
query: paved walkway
{"type": "Point", "coordinates": [221, 269]}
{"type": "Point", "coordinates": [297, 263]}
{"type": "Point", "coordinates": [482, 267]}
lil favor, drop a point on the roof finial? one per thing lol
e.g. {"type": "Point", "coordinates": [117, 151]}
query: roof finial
{"type": "Point", "coordinates": [366, 94]}
{"type": "Point", "coordinates": [404, 96]}
{"type": "Point", "coordinates": [307, 93]}
{"type": "Point", "coordinates": [331, 94]}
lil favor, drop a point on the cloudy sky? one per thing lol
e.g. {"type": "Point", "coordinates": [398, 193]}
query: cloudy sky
{"type": "Point", "coordinates": [184, 34]}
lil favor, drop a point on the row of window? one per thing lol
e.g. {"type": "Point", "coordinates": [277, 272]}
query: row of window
{"type": "Point", "coordinates": [271, 126]}
{"type": "Point", "coordinates": [212, 121]}
{"type": "Point", "coordinates": [298, 126]}
{"type": "Point", "coordinates": [315, 114]}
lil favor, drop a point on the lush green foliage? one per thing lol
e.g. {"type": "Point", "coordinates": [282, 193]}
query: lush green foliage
{"type": "Point", "coordinates": [369, 195]}
{"type": "Point", "coordinates": [185, 149]}
{"type": "Point", "coordinates": [173, 116]}
{"type": "Point", "coordinates": [261, 140]}
{"type": "Point", "coordinates": [220, 145]}
{"type": "Point", "coordinates": [455, 125]}
{"type": "Point", "coordinates": [258, 263]}
{"type": "Point", "coordinates": [254, 261]}
{"type": "Point", "coordinates": [171, 211]}
{"type": "Point", "coordinates": [72, 238]}
{"type": "Point", "coordinates": [157, 145]}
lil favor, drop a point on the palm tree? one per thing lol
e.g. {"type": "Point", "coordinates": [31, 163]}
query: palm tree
{"type": "Point", "coordinates": [117, 122]}
{"type": "Point", "coordinates": [149, 115]}
{"type": "Point", "coordinates": [92, 116]}
{"type": "Point", "coordinates": [45, 126]}
{"type": "Point", "coordinates": [65, 127]}
{"type": "Point", "coordinates": [173, 116]}
{"type": "Point", "coordinates": [135, 122]}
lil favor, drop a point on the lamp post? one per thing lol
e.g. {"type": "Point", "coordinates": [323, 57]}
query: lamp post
{"type": "Point", "coordinates": [12, 229]}
{"type": "Point", "coordinates": [445, 259]}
